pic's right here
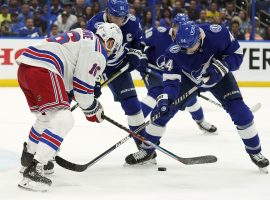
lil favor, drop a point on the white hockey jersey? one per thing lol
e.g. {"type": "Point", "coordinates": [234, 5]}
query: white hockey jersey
{"type": "Point", "coordinates": [77, 56]}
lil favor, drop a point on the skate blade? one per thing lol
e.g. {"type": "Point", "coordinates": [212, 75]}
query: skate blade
{"type": "Point", "coordinates": [145, 163]}
{"type": "Point", "coordinates": [46, 172]}
{"type": "Point", "coordinates": [209, 133]}
{"type": "Point", "coordinates": [263, 170]}
{"type": "Point", "coordinates": [28, 184]}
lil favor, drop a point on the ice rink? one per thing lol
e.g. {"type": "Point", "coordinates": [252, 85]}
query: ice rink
{"type": "Point", "coordinates": [233, 176]}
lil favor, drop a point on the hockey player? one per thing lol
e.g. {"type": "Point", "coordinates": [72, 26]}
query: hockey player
{"type": "Point", "coordinates": [206, 54]}
{"type": "Point", "coordinates": [69, 62]}
{"type": "Point", "coordinates": [157, 40]}
{"type": "Point", "coordinates": [130, 53]}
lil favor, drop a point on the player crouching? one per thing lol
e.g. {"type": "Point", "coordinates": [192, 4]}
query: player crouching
{"type": "Point", "coordinates": [67, 63]}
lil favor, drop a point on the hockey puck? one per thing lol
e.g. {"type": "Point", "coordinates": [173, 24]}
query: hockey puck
{"type": "Point", "coordinates": [162, 169]}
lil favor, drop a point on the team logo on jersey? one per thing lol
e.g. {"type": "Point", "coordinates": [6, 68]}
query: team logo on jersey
{"type": "Point", "coordinates": [129, 37]}
{"type": "Point", "coordinates": [161, 29]}
{"type": "Point", "coordinates": [97, 24]}
{"type": "Point", "coordinates": [132, 17]}
{"type": "Point", "coordinates": [215, 28]}
{"type": "Point", "coordinates": [175, 49]}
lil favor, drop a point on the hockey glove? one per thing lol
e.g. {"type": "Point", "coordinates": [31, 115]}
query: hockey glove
{"type": "Point", "coordinates": [215, 72]}
{"type": "Point", "coordinates": [97, 90]}
{"type": "Point", "coordinates": [134, 57]}
{"type": "Point", "coordinates": [163, 103]}
{"type": "Point", "coordinates": [94, 112]}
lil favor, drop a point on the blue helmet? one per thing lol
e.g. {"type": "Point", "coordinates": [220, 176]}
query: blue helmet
{"type": "Point", "coordinates": [117, 8]}
{"type": "Point", "coordinates": [180, 18]}
{"type": "Point", "coordinates": [187, 35]}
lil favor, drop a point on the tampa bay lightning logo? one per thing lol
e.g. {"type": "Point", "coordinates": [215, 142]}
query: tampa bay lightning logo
{"type": "Point", "coordinates": [215, 28]}
{"type": "Point", "coordinates": [197, 74]}
{"type": "Point", "coordinates": [175, 49]}
{"type": "Point", "coordinates": [161, 29]}
{"type": "Point", "coordinates": [98, 24]}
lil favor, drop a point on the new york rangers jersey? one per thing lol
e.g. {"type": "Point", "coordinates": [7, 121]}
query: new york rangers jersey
{"type": "Point", "coordinates": [218, 43]}
{"type": "Point", "coordinates": [157, 41]}
{"type": "Point", "coordinates": [132, 34]}
{"type": "Point", "coordinates": [77, 56]}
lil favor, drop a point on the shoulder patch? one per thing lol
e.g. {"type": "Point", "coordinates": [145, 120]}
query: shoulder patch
{"type": "Point", "coordinates": [161, 29]}
{"type": "Point", "coordinates": [174, 49]}
{"type": "Point", "coordinates": [215, 28]}
{"type": "Point", "coordinates": [97, 24]}
{"type": "Point", "coordinates": [132, 17]}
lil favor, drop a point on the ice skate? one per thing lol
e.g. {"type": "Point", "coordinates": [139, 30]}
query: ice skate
{"type": "Point", "coordinates": [207, 128]}
{"type": "Point", "coordinates": [142, 157]}
{"type": "Point", "coordinates": [27, 158]}
{"type": "Point", "coordinates": [34, 179]}
{"type": "Point", "coordinates": [260, 161]}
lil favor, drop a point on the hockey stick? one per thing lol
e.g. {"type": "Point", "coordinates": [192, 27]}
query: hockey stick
{"type": "Point", "coordinates": [114, 76]}
{"type": "Point", "coordinates": [253, 109]}
{"type": "Point", "coordinates": [79, 168]}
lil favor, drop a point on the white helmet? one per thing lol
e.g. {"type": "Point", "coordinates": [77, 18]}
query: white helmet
{"type": "Point", "coordinates": [110, 30]}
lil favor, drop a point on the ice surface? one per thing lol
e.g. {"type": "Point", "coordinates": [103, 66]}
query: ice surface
{"type": "Point", "coordinates": [234, 176]}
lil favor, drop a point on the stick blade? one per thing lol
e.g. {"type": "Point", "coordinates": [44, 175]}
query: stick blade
{"type": "Point", "coordinates": [199, 160]}
{"type": "Point", "coordinates": [69, 165]}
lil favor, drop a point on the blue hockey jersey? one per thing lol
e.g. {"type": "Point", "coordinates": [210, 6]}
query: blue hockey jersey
{"type": "Point", "coordinates": [218, 43]}
{"type": "Point", "coordinates": [157, 41]}
{"type": "Point", "coordinates": [132, 35]}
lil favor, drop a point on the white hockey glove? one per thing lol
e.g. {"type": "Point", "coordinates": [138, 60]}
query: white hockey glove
{"type": "Point", "coordinates": [94, 112]}
{"type": "Point", "coordinates": [215, 72]}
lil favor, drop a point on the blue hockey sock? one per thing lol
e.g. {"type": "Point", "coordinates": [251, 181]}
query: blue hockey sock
{"type": "Point", "coordinates": [195, 110]}
{"type": "Point", "coordinates": [250, 138]}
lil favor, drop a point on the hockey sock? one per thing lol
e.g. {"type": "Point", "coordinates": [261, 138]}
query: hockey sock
{"type": "Point", "coordinates": [250, 138]}
{"type": "Point", "coordinates": [195, 110]}
{"type": "Point", "coordinates": [132, 108]}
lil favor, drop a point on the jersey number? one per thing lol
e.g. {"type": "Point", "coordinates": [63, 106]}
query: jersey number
{"type": "Point", "coordinates": [169, 65]}
{"type": "Point", "coordinates": [65, 37]}
{"type": "Point", "coordinates": [95, 68]}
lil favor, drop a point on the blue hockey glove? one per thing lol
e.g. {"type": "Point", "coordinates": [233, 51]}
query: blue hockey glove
{"type": "Point", "coordinates": [134, 57]}
{"type": "Point", "coordinates": [163, 103]}
{"type": "Point", "coordinates": [215, 72]}
{"type": "Point", "coordinates": [97, 90]}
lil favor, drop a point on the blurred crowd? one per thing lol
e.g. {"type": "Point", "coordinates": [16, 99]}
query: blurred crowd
{"type": "Point", "coordinates": [22, 18]}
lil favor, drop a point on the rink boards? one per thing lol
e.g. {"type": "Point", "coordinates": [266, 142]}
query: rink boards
{"type": "Point", "coordinates": [254, 71]}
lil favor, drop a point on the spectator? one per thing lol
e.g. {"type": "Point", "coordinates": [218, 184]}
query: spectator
{"type": "Point", "coordinates": [193, 12]}
{"type": "Point", "coordinates": [224, 21]}
{"type": "Point", "coordinates": [96, 7]}
{"type": "Point", "coordinates": [4, 15]}
{"type": "Point", "coordinates": [138, 9]}
{"type": "Point", "coordinates": [244, 25]}
{"type": "Point", "coordinates": [13, 6]}
{"type": "Point", "coordinates": [267, 37]}
{"type": "Point", "coordinates": [79, 7]}
{"type": "Point", "coordinates": [212, 12]}
{"type": "Point", "coordinates": [166, 20]}
{"type": "Point", "coordinates": [257, 36]}
{"type": "Point", "coordinates": [56, 8]}
{"type": "Point", "coordinates": [235, 30]}
{"type": "Point", "coordinates": [88, 13]}
{"type": "Point", "coordinates": [54, 30]}
{"type": "Point", "coordinates": [25, 13]}
{"type": "Point", "coordinates": [15, 24]}
{"type": "Point", "coordinates": [165, 4]}
{"type": "Point", "coordinates": [202, 18]}
{"type": "Point", "coordinates": [34, 6]}
{"type": "Point", "coordinates": [80, 23]}
{"type": "Point", "coordinates": [147, 21]}
{"type": "Point", "coordinates": [66, 19]}
{"type": "Point", "coordinates": [132, 10]}
{"type": "Point", "coordinates": [38, 22]}
{"type": "Point", "coordinates": [178, 8]}
{"type": "Point", "coordinates": [29, 30]}
{"type": "Point", "coordinates": [158, 11]}
{"type": "Point", "coordinates": [230, 10]}
{"type": "Point", "coordinates": [6, 29]}
{"type": "Point", "coordinates": [44, 15]}
{"type": "Point", "coordinates": [62, 23]}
